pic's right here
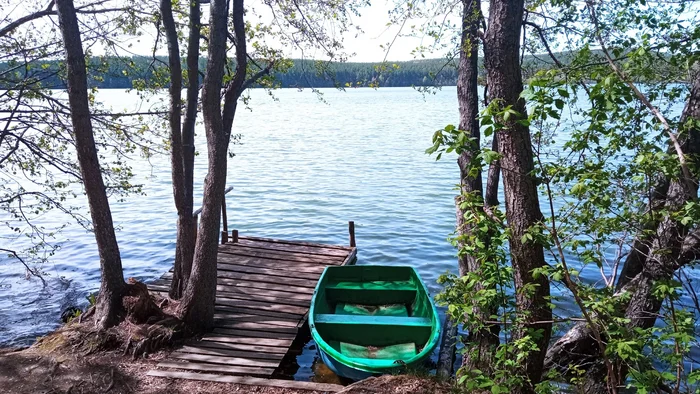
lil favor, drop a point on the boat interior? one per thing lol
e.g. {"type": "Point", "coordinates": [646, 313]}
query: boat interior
{"type": "Point", "coordinates": [373, 312]}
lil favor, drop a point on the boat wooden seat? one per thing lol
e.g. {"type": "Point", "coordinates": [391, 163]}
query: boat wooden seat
{"type": "Point", "coordinates": [343, 308]}
{"type": "Point", "coordinates": [379, 292]}
{"type": "Point", "coordinates": [372, 320]}
{"type": "Point", "coordinates": [374, 285]}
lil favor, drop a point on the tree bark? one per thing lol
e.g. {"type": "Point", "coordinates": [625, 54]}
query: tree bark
{"type": "Point", "coordinates": [483, 339]}
{"type": "Point", "coordinates": [187, 223]}
{"type": "Point", "coordinates": [109, 305]}
{"type": "Point", "coordinates": [492, 179]}
{"type": "Point", "coordinates": [176, 148]}
{"type": "Point", "coordinates": [197, 306]}
{"type": "Point", "coordinates": [504, 78]}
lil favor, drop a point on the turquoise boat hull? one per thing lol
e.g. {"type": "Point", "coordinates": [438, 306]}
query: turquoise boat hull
{"type": "Point", "coordinates": [371, 320]}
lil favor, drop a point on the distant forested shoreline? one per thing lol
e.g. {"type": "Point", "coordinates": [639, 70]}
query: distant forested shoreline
{"type": "Point", "coordinates": [149, 72]}
{"type": "Point", "coordinates": [143, 71]}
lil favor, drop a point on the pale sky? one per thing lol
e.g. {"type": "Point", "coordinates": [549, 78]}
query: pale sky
{"type": "Point", "coordinates": [366, 47]}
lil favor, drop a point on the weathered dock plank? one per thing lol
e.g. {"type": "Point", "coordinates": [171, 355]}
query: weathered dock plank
{"type": "Point", "coordinates": [264, 290]}
{"type": "Point", "coordinates": [248, 381]}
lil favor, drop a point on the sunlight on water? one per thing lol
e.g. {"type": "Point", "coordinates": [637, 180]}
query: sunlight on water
{"type": "Point", "coordinates": [303, 169]}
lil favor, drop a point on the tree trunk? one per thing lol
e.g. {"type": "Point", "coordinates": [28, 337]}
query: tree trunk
{"type": "Point", "coordinates": [491, 198]}
{"type": "Point", "coordinates": [481, 340]}
{"type": "Point", "coordinates": [504, 78]}
{"type": "Point", "coordinates": [186, 223]}
{"type": "Point", "coordinates": [176, 148]}
{"type": "Point", "coordinates": [109, 305]}
{"type": "Point", "coordinates": [197, 306]}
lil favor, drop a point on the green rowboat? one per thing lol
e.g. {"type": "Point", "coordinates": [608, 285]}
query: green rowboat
{"type": "Point", "coordinates": [369, 320]}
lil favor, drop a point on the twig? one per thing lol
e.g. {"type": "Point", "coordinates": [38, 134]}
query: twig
{"type": "Point", "coordinates": [111, 378]}
{"type": "Point", "coordinates": [33, 272]}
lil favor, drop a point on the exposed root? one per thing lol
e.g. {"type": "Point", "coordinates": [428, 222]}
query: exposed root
{"type": "Point", "coordinates": [87, 314]}
{"type": "Point", "coordinates": [111, 381]}
{"type": "Point", "coordinates": [144, 329]}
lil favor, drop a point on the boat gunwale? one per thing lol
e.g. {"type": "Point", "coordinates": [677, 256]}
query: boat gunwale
{"type": "Point", "coordinates": [390, 364]}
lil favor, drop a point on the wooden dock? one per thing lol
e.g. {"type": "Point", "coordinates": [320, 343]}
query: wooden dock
{"type": "Point", "coordinates": [264, 290]}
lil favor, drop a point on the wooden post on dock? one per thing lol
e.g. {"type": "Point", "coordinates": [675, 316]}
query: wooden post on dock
{"type": "Point", "coordinates": [234, 236]}
{"type": "Point", "coordinates": [446, 357]}
{"type": "Point", "coordinates": [223, 214]}
{"type": "Point", "coordinates": [195, 224]}
{"type": "Point", "coordinates": [351, 230]}
{"type": "Point", "coordinates": [224, 237]}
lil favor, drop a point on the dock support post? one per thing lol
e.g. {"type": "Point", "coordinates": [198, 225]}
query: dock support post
{"type": "Point", "coordinates": [446, 357]}
{"type": "Point", "coordinates": [351, 230]}
{"type": "Point", "coordinates": [234, 236]}
{"type": "Point", "coordinates": [224, 237]}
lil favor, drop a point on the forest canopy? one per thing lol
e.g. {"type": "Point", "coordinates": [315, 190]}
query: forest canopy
{"type": "Point", "coordinates": [130, 72]}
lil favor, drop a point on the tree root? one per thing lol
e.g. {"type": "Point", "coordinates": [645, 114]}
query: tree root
{"type": "Point", "coordinates": [87, 314]}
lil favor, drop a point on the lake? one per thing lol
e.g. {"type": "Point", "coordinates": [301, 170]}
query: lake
{"type": "Point", "coordinates": [302, 170]}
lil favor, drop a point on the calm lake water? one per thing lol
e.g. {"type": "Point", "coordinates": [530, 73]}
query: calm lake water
{"type": "Point", "coordinates": [304, 168]}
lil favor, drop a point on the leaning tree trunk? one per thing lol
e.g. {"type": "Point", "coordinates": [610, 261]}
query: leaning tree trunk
{"type": "Point", "coordinates": [183, 169]}
{"type": "Point", "coordinates": [483, 339]}
{"type": "Point", "coordinates": [504, 78]}
{"type": "Point", "coordinates": [665, 252]}
{"type": "Point", "coordinates": [197, 306]}
{"type": "Point", "coordinates": [109, 300]}
{"type": "Point", "coordinates": [652, 259]}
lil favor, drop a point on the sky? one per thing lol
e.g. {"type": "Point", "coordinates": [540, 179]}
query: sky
{"type": "Point", "coordinates": [368, 46]}
{"type": "Point", "coordinates": [365, 47]}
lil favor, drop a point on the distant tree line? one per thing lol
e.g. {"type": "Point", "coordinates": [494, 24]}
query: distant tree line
{"type": "Point", "coordinates": [140, 71]}
{"type": "Point", "coordinates": [144, 71]}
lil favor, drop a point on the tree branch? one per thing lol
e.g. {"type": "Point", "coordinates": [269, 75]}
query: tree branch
{"type": "Point", "coordinates": [257, 76]}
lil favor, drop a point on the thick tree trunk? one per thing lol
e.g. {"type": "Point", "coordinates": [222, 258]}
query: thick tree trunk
{"type": "Point", "coordinates": [503, 74]}
{"type": "Point", "coordinates": [109, 305]}
{"type": "Point", "coordinates": [176, 148]}
{"type": "Point", "coordinates": [481, 340]}
{"type": "Point", "coordinates": [197, 306]}
{"type": "Point", "coordinates": [653, 258]}
{"type": "Point", "coordinates": [186, 223]}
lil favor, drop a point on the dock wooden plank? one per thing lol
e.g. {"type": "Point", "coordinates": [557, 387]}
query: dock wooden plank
{"type": "Point", "coordinates": [264, 290]}
{"type": "Point", "coordinates": [217, 368]}
{"type": "Point", "coordinates": [262, 327]}
{"type": "Point", "coordinates": [227, 291]}
{"type": "Point", "coordinates": [242, 282]}
{"type": "Point", "coordinates": [206, 344]}
{"type": "Point", "coordinates": [303, 302]}
{"type": "Point", "coordinates": [245, 380]}
{"type": "Point", "coordinates": [294, 242]}
{"type": "Point", "coordinates": [288, 257]}
{"type": "Point", "coordinates": [225, 258]}
{"type": "Point", "coordinates": [261, 306]}
{"type": "Point", "coordinates": [224, 319]}
{"type": "Point", "coordinates": [281, 254]}
{"type": "Point", "coordinates": [304, 249]}
{"type": "Point", "coordinates": [245, 294]}
{"type": "Point", "coordinates": [233, 353]}
{"type": "Point", "coordinates": [269, 271]}
{"type": "Point", "coordinates": [228, 313]}
{"type": "Point", "coordinates": [266, 279]}
{"type": "Point", "coordinates": [257, 338]}
{"type": "Point", "coordinates": [243, 362]}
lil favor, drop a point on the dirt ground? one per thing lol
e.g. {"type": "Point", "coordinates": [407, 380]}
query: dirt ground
{"type": "Point", "coordinates": [39, 372]}
{"type": "Point", "coordinates": [55, 366]}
